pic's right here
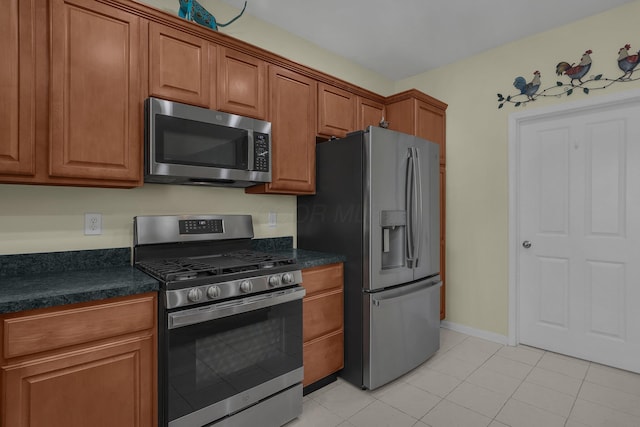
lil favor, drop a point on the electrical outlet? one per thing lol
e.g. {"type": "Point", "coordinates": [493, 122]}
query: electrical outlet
{"type": "Point", "coordinates": [92, 223]}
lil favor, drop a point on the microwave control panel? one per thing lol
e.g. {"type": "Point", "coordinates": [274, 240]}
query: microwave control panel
{"type": "Point", "coordinates": [261, 152]}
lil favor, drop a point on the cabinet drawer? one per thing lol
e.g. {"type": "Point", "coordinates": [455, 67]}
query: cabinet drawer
{"type": "Point", "coordinates": [322, 314]}
{"type": "Point", "coordinates": [323, 278]}
{"type": "Point", "coordinates": [28, 334]}
{"type": "Point", "coordinates": [323, 357]}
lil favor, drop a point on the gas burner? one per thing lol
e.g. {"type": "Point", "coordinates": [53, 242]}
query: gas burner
{"type": "Point", "coordinates": [225, 265]}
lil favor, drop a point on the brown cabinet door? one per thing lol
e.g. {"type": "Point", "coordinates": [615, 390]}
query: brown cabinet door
{"type": "Point", "coordinates": [242, 84]}
{"type": "Point", "coordinates": [181, 66]}
{"type": "Point", "coordinates": [336, 111]}
{"type": "Point", "coordinates": [87, 364]}
{"type": "Point", "coordinates": [323, 321]}
{"type": "Point", "coordinates": [95, 106]}
{"type": "Point", "coordinates": [401, 116]}
{"type": "Point", "coordinates": [292, 102]}
{"type": "Point", "coordinates": [108, 385]}
{"type": "Point", "coordinates": [323, 314]}
{"type": "Point", "coordinates": [323, 357]}
{"type": "Point", "coordinates": [17, 88]}
{"type": "Point", "coordinates": [322, 279]}
{"type": "Point", "coordinates": [370, 113]}
{"type": "Point", "coordinates": [430, 125]}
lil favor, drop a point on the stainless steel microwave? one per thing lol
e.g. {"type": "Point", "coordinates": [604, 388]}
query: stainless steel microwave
{"type": "Point", "coordinates": [192, 145]}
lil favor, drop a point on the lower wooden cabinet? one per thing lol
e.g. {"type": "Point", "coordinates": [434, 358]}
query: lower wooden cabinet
{"type": "Point", "coordinates": [81, 365]}
{"type": "Point", "coordinates": [323, 322]}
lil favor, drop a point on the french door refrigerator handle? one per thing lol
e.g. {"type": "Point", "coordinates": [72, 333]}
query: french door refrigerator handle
{"type": "Point", "coordinates": [418, 204]}
{"type": "Point", "coordinates": [408, 183]}
{"type": "Point", "coordinates": [407, 292]}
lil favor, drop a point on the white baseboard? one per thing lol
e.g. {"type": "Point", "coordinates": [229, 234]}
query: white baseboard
{"type": "Point", "coordinates": [478, 333]}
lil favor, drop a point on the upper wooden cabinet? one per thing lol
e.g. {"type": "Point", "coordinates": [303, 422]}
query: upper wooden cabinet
{"type": "Point", "coordinates": [182, 67]}
{"type": "Point", "coordinates": [95, 94]}
{"type": "Point", "coordinates": [370, 113]}
{"type": "Point", "coordinates": [292, 101]}
{"type": "Point", "coordinates": [17, 88]}
{"type": "Point", "coordinates": [418, 114]}
{"type": "Point", "coordinates": [336, 111]}
{"type": "Point", "coordinates": [73, 95]}
{"type": "Point", "coordinates": [242, 84]}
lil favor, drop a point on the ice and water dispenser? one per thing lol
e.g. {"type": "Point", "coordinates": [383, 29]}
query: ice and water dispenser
{"type": "Point", "coordinates": [393, 225]}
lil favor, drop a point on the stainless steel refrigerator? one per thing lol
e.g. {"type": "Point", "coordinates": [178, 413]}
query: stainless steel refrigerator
{"type": "Point", "coordinates": [377, 202]}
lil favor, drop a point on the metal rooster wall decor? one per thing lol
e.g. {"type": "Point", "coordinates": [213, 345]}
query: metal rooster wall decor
{"type": "Point", "coordinates": [191, 10]}
{"type": "Point", "coordinates": [577, 75]}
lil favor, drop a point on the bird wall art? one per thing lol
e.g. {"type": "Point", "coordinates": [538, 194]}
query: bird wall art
{"type": "Point", "coordinates": [626, 62]}
{"type": "Point", "coordinates": [530, 88]}
{"type": "Point", "coordinates": [191, 10]}
{"type": "Point", "coordinates": [578, 78]}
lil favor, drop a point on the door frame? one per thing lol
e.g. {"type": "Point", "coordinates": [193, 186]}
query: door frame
{"type": "Point", "coordinates": [516, 120]}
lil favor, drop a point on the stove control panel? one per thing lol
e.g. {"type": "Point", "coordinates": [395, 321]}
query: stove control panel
{"type": "Point", "coordinates": [200, 226]}
{"type": "Point", "coordinates": [231, 289]}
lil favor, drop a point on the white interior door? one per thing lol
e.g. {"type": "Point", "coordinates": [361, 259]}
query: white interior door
{"type": "Point", "coordinates": [578, 229]}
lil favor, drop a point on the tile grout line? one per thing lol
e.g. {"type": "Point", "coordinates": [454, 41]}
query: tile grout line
{"type": "Point", "coordinates": [464, 380]}
{"type": "Point", "coordinates": [577, 394]}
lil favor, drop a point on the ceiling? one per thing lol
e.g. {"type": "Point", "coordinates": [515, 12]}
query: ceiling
{"type": "Point", "coordinates": [399, 39]}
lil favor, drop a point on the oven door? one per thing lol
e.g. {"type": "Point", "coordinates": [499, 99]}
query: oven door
{"type": "Point", "coordinates": [225, 357]}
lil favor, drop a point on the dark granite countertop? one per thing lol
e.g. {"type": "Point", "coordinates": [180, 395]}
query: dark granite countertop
{"type": "Point", "coordinates": [308, 259]}
{"type": "Point", "coordinates": [30, 281]}
{"type": "Point", "coordinates": [49, 290]}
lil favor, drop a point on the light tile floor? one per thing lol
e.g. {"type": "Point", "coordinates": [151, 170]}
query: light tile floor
{"type": "Point", "coordinates": [471, 382]}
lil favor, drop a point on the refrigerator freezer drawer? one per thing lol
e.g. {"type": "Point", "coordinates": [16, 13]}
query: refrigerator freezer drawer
{"type": "Point", "coordinates": [404, 330]}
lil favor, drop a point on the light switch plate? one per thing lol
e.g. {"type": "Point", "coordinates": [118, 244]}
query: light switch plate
{"type": "Point", "coordinates": [272, 219]}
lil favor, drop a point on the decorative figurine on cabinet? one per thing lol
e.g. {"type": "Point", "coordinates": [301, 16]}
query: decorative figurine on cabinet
{"type": "Point", "coordinates": [191, 10]}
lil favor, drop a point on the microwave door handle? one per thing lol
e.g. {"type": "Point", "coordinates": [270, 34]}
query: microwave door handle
{"type": "Point", "coordinates": [251, 151]}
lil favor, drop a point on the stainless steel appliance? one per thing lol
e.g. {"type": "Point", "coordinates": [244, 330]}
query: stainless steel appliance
{"type": "Point", "coordinates": [377, 203]}
{"type": "Point", "coordinates": [230, 322]}
{"type": "Point", "coordinates": [192, 145]}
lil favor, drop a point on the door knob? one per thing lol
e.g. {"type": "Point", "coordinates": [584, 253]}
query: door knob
{"type": "Point", "coordinates": [526, 244]}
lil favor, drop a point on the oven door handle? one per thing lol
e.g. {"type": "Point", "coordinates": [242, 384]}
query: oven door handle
{"type": "Point", "coordinates": [229, 308]}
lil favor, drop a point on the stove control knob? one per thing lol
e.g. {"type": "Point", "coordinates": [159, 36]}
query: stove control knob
{"type": "Point", "coordinates": [245, 286]}
{"type": "Point", "coordinates": [287, 278]}
{"type": "Point", "coordinates": [213, 292]}
{"type": "Point", "coordinates": [195, 295]}
{"type": "Point", "coordinates": [274, 281]}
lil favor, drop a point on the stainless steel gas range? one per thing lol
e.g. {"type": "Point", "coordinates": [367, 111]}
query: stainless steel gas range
{"type": "Point", "coordinates": [230, 322]}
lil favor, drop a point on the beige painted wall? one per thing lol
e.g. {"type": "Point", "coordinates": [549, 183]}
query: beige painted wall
{"type": "Point", "coordinates": [49, 219]}
{"type": "Point", "coordinates": [477, 140]}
